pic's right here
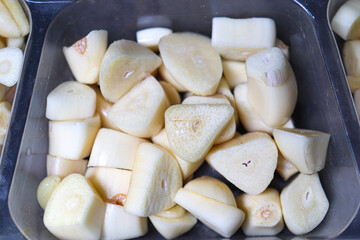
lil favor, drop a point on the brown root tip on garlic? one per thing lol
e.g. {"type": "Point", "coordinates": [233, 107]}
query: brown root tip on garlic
{"type": "Point", "coordinates": [81, 45]}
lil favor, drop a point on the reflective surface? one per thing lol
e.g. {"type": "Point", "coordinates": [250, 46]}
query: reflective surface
{"type": "Point", "coordinates": [42, 12]}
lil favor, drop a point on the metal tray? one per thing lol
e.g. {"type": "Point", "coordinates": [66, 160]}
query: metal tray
{"type": "Point", "coordinates": [324, 102]}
